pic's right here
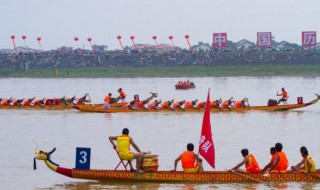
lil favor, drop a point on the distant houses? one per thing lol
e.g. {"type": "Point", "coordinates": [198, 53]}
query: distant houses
{"type": "Point", "coordinates": [245, 45]}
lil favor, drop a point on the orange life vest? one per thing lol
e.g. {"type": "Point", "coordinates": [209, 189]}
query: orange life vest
{"type": "Point", "coordinates": [165, 105]}
{"type": "Point", "coordinates": [37, 103]}
{"type": "Point", "coordinates": [107, 99]}
{"type": "Point", "coordinates": [125, 105]}
{"type": "Point", "coordinates": [187, 159]}
{"type": "Point", "coordinates": [225, 104]}
{"type": "Point", "coordinates": [177, 105]}
{"type": "Point", "coordinates": [4, 102]}
{"type": "Point", "coordinates": [153, 105]}
{"type": "Point", "coordinates": [122, 95]}
{"type": "Point", "coordinates": [15, 103]}
{"type": "Point", "coordinates": [201, 105]}
{"type": "Point", "coordinates": [47, 101]}
{"type": "Point", "coordinates": [238, 104]}
{"type": "Point", "coordinates": [284, 94]}
{"type": "Point", "coordinates": [26, 102]}
{"type": "Point", "coordinates": [252, 165]}
{"type": "Point", "coordinates": [283, 162]}
{"type": "Point", "coordinates": [189, 105]}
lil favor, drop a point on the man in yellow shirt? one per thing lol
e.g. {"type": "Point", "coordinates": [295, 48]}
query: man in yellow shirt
{"type": "Point", "coordinates": [307, 164]}
{"type": "Point", "coordinates": [123, 142]}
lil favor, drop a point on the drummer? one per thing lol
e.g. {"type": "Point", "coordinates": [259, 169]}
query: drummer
{"type": "Point", "coordinates": [123, 142]}
{"type": "Point", "coordinates": [191, 162]}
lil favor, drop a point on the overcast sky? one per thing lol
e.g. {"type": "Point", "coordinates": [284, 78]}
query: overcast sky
{"type": "Point", "coordinates": [59, 21]}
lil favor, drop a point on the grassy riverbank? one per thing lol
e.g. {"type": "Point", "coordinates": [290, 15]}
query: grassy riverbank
{"type": "Point", "coordinates": [187, 71]}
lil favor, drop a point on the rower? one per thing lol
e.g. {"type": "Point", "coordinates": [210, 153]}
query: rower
{"type": "Point", "coordinates": [6, 102]}
{"type": "Point", "coordinates": [201, 105]}
{"type": "Point", "coordinates": [28, 101]}
{"type": "Point", "coordinates": [130, 106]}
{"type": "Point", "coordinates": [191, 104]}
{"type": "Point", "coordinates": [178, 105]}
{"type": "Point", "coordinates": [228, 103]}
{"type": "Point", "coordinates": [155, 105]}
{"type": "Point", "coordinates": [280, 163]}
{"type": "Point", "coordinates": [191, 162]}
{"type": "Point", "coordinates": [216, 103]}
{"type": "Point", "coordinates": [17, 102]}
{"type": "Point", "coordinates": [38, 102]}
{"type": "Point", "coordinates": [83, 100]}
{"type": "Point", "coordinates": [241, 103]}
{"type": "Point", "coordinates": [122, 94]}
{"type": "Point", "coordinates": [167, 105]}
{"type": "Point", "coordinates": [273, 155]}
{"type": "Point", "coordinates": [307, 164]}
{"type": "Point", "coordinates": [249, 161]}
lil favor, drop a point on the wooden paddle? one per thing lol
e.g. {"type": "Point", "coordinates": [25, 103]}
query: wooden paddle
{"type": "Point", "coordinates": [256, 180]}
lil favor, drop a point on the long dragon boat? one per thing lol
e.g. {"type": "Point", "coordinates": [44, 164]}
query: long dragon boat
{"type": "Point", "coordinates": [57, 107]}
{"type": "Point", "coordinates": [168, 176]}
{"type": "Point", "coordinates": [88, 108]}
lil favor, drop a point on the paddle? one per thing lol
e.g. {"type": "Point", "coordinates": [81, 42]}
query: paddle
{"type": "Point", "coordinates": [246, 176]}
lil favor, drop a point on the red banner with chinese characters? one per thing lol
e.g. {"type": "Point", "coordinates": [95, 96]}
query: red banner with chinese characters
{"type": "Point", "coordinates": [309, 39]}
{"type": "Point", "coordinates": [220, 40]}
{"type": "Point", "coordinates": [264, 39]}
{"type": "Point", "coordinates": [206, 146]}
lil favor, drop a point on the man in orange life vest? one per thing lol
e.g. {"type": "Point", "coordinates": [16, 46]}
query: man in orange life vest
{"type": "Point", "coordinates": [284, 95]}
{"type": "Point", "coordinates": [273, 155]}
{"type": "Point", "coordinates": [155, 105]}
{"type": "Point", "coordinates": [191, 104]}
{"type": "Point", "coordinates": [227, 103]}
{"type": "Point", "coordinates": [280, 163]}
{"type": "Point", "coordinates": [249, 161]}
{"type": "Point", "coordinates": [191, 162]}
{"type": "Point", "coordinates": [178, 105]}
{"type": "Point", "coordinates": [106, 103]}
{"type": "Point", "coordinates": [123, 142]}
{"type": "Point", "coordinates": [122, 94]}
{"type": "Point", "coordinates": [167, 105]}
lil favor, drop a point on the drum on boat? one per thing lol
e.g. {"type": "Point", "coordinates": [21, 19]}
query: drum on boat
{"type": "Point", "coordinates": [272, 102]}
{"type": "Point", "coordinates": [150, 163]}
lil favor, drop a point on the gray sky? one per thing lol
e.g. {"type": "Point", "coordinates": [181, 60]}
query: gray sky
{"type": "Point", "coordinates": [59, 21]}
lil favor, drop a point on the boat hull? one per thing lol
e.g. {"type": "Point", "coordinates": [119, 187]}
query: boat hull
{"type": "Point", "coordinates": [167, 176]}
{"type": "Point", "coordinates": [259, 108]}
{"type": "Point", "coordinates": [184, 87]}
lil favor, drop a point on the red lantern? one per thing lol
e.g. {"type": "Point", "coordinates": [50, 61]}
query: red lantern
{"type": "Point", "coordinates": [186, 36]}
{"type": "Point", "coordinates": [119, 37]}
{"type": "Point", "coordinates": [132, 37]}
{"type": "Point", "coordinates": [170, 37]}
{"type": "Point", "coordinates": [154, 37]}
{"type": "Point", "coordinates": [13, 37]}
{"type": "Point", "coordinates": [39, 38]}
{"type": "Point", "coordinates": [24, 37]}
{"type": "Point", "coordinates": [89, 39]}
{"type": "Point", "coordinates": [76, 38]}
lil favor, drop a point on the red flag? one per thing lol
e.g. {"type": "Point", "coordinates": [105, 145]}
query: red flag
{"type": "Point", "coordinates": [206, 146]}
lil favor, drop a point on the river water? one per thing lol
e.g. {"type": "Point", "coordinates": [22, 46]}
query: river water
{"type": "Point", "coordinates": [165, 134]}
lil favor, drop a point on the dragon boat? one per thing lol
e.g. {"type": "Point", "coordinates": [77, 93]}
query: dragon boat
{"type": "Point", "coordinates": [58, 107]}
{"type": "Point", "coordinates": [168, 176]}
{"type": "Point", "coordinates": [88, 108]}
{"type": "Point", "coordinates": [185, 86]}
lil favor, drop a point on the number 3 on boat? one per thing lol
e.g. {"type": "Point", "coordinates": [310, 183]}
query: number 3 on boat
{"type": "Point", "coordinates": [83, 158]}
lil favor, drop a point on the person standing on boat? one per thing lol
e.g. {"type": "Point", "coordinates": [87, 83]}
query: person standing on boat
{"type": "Point", "coordinates": [122, 94]}
{"type": "Point", "coordinates": [280, 163]}
{"type": "Point", "coordinates": [123, 142]}
{"type": "Point", "coordinates": [191, 162]}
{"type": "Point", "coordinates": [307, 164]}
{"type": "Point", "coordinates": [273, 155]}
{"type": "Point", "coordinates": [106, 104]}
{"type": "Point", "coordinates": [249, 161]}
{"type": "Point", "coordinates": [284, 95]}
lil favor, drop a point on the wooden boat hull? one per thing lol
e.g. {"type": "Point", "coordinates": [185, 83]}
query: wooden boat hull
{"type": "Point", "coordinates": [259, 108]}
{"type": "Point", "coordinates": [59, 107]}
{"type": "Point", "coordinates": [184, 86]}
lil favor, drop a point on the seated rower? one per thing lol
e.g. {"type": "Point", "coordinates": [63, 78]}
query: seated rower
{"type": "Point", "coordinates": [70, 101]}
{"type": "Point", "coordinates": [122, 94]}
{"type": "Point", "coordinates": [216, 103]}
{"type": "Point", "coordinates": [130, 106]}
{"type": "Point", "coordinates": [82, 100]}
{"type": "Point", "coordinates": [123, 147]}
{"type": "Point", "coordinates": [155, 105]}
{"type": "Point", "coordinates": [141, 105]}
{"type": "Point", "coordinates": [38, 102]}
{"type": "Point", "coordinates": [284, 95]}
{"type": "Point", "coordinates": [307, 164]}
{"type": "Point", "coordinates": [56, 101]}
{"type": "Point", "coordinates": [249, 161]}
{"type": "Point", "coordinates": [106, 104]}
{"type": "Point", "coordinates": [280, 162]}
{"type": "Point", "coordinates": [28, 102]}
{"type": "Point", "coordinates": [6, 102]}
{"type": "Point", "coordinates": [273, 155]}
{"type": "Point", "coordinates": [167, 105]}
{"type": "Point", "coordinates": [17, 102]}
{"type": "Point", "coordinates": [178, 105]}
{"type": "Point", "coordinates": [241, 103]}
{"type": "Point", "coordinates": [48, 102]}
{"type": "Point", "coordinates": [201, 105]}
{"type": "Point", "coordinates": [191, 104]}
{"type": "Point", "coordinates": [227, 103]}
{"type": "Point", "coordinates": [191, 162]}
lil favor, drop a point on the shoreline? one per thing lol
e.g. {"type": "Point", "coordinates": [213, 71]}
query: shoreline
{"type": "Point", "coordinates": [165, 72]}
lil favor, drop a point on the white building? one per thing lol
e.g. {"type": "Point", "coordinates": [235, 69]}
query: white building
{"type": "Point", "coordinates": [99, 48]}
{"type": "Point", "coordinates": [245, 45]}
{"type": "Point", "coordinates": [201, 47]}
